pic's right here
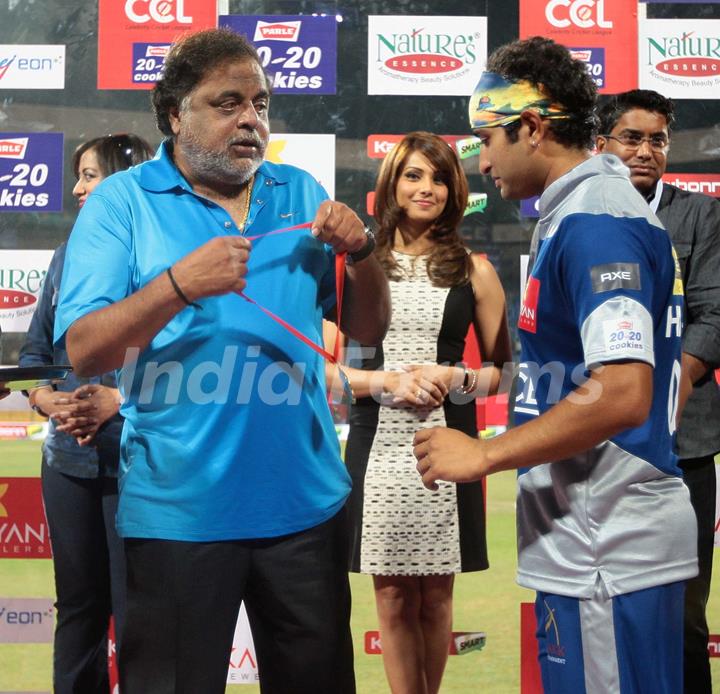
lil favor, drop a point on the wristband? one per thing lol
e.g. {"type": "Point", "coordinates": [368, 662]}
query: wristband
{"type": "Point", "coordinates": [179, 291]}
{"type": "Point", "coordinates": [366, 250]}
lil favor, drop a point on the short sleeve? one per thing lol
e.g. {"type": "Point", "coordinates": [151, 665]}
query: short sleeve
{"type": "Point", "coordinates": [611, 278]}
{"type": "Point", "coordinates": [97, 269]}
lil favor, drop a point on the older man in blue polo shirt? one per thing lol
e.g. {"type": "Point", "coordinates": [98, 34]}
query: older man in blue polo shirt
{"type": "Point", "coordinates": [232, 486]}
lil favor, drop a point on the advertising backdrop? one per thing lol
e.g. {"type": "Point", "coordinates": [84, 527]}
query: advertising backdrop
{"type": "Point", "coordinates": [133, 36]}
{"type": "Point", "coordinates": [425, 54]}
{"type": "Point", "coordinates": [680, 58]}
{"type": "Point", "coordinates": [298, 52]}
{"type": "Point", "coordinates": [598, 32]}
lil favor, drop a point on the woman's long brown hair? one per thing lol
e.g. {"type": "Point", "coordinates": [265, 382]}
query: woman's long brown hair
{"type": "Point", "coordinates": [448, 261]}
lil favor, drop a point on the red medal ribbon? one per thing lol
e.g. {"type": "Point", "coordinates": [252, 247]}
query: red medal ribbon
{"type": "Point", "coordinates": [339, 287]}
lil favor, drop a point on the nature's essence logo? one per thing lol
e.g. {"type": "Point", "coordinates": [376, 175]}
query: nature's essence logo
{"type": "Point", "coordinates": [685, 55]}
{"type": "Point", "coordinates": [424, 52]}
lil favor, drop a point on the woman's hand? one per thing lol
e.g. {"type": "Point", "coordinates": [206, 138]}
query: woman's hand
{"type": "Point", "coordinates": [85, 410]}
{"type": "Point", "coordinates": [422, 386]}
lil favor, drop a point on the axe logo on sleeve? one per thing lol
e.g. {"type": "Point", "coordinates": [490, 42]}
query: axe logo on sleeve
{"type": "Point", "coordinates": [605, 278]}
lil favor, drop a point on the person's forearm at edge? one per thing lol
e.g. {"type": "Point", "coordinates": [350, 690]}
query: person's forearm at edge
{"type": "Point", "coordinates": [574, 425]}
{"type": "Point", "coordinates": [577, 423]}
{"type": "Point", "coordinates": [693, 369]}
{"type": "Point", "coordinates": [366, 302]}
{"type": "Point", "coordinates": [97, 342]}
{"type": "Point", "coordinates": [366, 383]}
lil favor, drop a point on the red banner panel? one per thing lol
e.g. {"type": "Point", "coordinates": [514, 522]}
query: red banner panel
{"type": "Point", "coordinates": [134, 36]}
{"type": "Point", "coordinates": [23, 528]}
{"type": "Point", "coordinates": [601, 33]}
{"type": "Point", "coordinates": [707, 183]}
{"type": "Point", "coordinates": [530, 679]}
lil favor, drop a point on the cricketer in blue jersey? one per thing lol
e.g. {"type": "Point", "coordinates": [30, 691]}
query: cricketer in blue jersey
{"type": "Point", "coordinates": [606, 533]}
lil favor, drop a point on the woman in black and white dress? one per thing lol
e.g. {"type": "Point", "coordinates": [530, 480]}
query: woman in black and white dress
{"type": "Point", "coordinates": [410, 540]}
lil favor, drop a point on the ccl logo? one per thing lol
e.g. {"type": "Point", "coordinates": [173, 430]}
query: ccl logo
{"type": "Point", "coordinates": [160, 11]}
{"type": "Point", "coordinates": [584, 14]}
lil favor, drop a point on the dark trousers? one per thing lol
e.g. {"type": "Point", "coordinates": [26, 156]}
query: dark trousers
{"type": "Point", "coordinates": [183, 603]}
{"type": "Point", "coordinates": [699, 476]}
{"type": "Point", "coordinates": [89, 565]}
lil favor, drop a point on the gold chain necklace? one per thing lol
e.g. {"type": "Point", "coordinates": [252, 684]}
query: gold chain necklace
{"type": "Point", "coordinates": [248, 198]}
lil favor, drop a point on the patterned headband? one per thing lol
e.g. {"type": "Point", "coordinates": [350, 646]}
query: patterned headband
{"type": "Point", "coordinates": [497, 101]}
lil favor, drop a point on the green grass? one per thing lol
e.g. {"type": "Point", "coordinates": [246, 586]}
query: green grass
{"type": "Point", "coordinates": [486, 601]}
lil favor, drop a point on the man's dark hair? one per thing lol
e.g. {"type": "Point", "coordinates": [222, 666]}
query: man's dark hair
{"type": "Point", "coordinates": [613, 109]}
{"type": "Point", "coordinates": [549, 66]}
{"type": "Point", "coordinates": [189, 61]}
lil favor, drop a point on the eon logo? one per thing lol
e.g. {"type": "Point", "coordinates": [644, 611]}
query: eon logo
{"type": "Point", "coordinates": [277, 31]}
{"type": "Point", "coordinates": [160, 11]}
{"type": "Point", "coordinates": [615, 275]}
{"type": "Point", "coordinates": [13, 148]}
{"type": "Point", "coordinates": [584, 14]}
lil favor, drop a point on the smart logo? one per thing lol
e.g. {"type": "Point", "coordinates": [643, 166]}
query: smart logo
{"type": "Point", "coordinates": [32, 67]}
{"type": "Point", "coordinates": [584, 14]}
{"type": "Point", "coordinates": [160, 11]}
{"type": "Point", "coordinates": [477, 202]}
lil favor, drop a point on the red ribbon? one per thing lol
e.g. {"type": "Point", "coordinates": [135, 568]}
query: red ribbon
{"type": "Point", "coordinates": [339, 287]}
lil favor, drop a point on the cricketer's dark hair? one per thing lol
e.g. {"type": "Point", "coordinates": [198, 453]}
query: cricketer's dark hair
{"type": "Point", "coordinates": [550, 67]}
{"type": "Point", "coordinates": [448, 262]}
{"type": "Point", "coordinates": [189, 61]}
{"type": "Point", "coordinates": [114, 152]}
{"type": "Point", "coordinates": [612, 109]}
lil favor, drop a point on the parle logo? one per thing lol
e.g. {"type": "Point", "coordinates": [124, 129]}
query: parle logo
{"type": "Point", "coordinates": [13, 147]}
{"type": "Point", "coordinates": [157, 51]}
{"type": "Point", "coordinates": [277, 31]}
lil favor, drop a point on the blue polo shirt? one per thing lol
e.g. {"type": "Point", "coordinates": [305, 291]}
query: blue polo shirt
{"type": "Point", "coordinates": [227, 430]}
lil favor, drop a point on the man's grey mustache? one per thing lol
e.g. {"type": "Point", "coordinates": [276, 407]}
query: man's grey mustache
{"type": "Point", "coordinates": [248, 142]}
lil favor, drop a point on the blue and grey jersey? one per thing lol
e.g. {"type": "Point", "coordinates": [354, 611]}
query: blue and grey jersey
{"type": "Point", "coordinates": [605, 287]}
